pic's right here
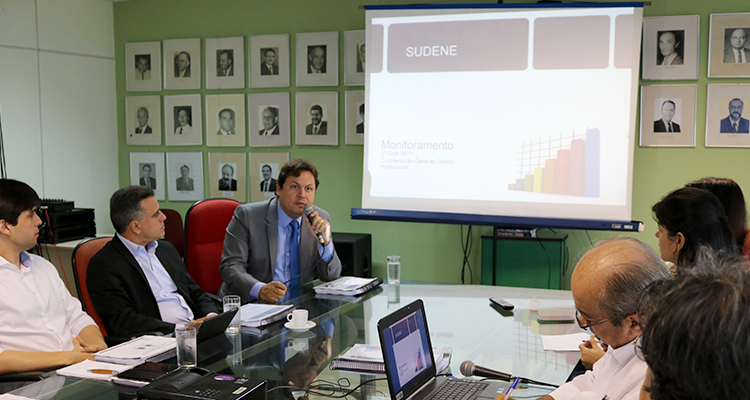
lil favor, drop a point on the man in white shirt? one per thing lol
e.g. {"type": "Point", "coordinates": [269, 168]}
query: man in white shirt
{"type": "Point", "coordinates": [317, 126]}
{"type": "Point", "coordinates": [41, 325]}
{"type": "Point", "coordinates": [137, 282]}
{"type": "Point", "coordinates": [226, 122]}
{"type": "Point", "coordinates": [270, 118]}
{"type": "Point", "coordinates": [316, 60]}
{"type": "Point", "coordinates": [226, 62]}
{"type": "Point", "coordinates": [607, 284]}
{"type": "Point", "coordinates": [143, 67]}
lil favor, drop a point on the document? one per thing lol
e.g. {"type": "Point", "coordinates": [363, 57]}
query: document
{"type": "Point", "coordinates": [568, 342]}
{"type": "Point", "coordinates": [97, 370]}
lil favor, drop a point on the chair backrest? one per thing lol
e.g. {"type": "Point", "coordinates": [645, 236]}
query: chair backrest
{"type": "Point", "coordinates": [81, 256]}
{"type": "Point", "coordinates": [205, 227]}
{"type": "Point", "coordinates": [173, 230]}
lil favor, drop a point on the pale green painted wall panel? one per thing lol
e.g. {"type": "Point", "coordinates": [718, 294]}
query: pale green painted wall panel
{"type": "Point", "coordinates": [18, 23]}
{"type": "Point", "coordinates": [76, 26]}
{"type": "Point", "coordinates": [429, 252]}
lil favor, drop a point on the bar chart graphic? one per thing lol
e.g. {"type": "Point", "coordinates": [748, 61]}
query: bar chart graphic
{"type": "Point", "coordinates": [562, 164]}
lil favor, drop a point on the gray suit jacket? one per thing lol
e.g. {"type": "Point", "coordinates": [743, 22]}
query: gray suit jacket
{"type": "Point", "coordinates": [250, 246]}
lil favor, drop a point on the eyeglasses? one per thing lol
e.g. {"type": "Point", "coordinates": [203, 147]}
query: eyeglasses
{"type": "Point", "coordinates": [587, 324]}
{"type": "Point", "coordinates": [638, 348]}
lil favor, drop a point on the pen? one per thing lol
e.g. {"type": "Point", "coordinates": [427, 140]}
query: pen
{"type": "Point", "coordinates": [512, 387]}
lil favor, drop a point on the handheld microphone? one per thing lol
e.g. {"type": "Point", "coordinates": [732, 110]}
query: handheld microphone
{"type": "Point", "coordinates": [307, 210]}
{"type": "Point", "coordinates": [468, 368]}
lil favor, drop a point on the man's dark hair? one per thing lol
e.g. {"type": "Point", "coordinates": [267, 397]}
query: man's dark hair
{"type": "Point", "coordinates": [265, 53]}
{"type": "Point", "coordinates": [186, 167]}
{"type": "Point", "coordinates": [295, 168]}
{"type": "Point", "coordinates": [266, 166]}
{"type": "Point", "coordinates": [229, 110]}
{"type": "Point", "coordinates": [668, 101]}
{"type": "Point", "coordinates": [700, 217]}
{"type": "Point", "coordinates": [696, 331]}
{"type": "Point", "coordinates": [181, 53]}
{"type": "Point", "coordinates": [125, 206]}
{"type": "Point", "coordinates": [317, 107]}
{"type": "Point", "coordinates": [15, 198]}
{"type": "Point", "coordinates": [362, 108]}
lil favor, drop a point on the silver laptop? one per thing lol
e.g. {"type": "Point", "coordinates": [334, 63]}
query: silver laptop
{"type": "Point", "coordinates": [410, 364]}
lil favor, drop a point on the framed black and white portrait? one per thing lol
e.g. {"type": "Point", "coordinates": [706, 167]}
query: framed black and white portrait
{"type": "Point", "coordinates": [268, 114]}
{"type": "Point", "coordinates": [318, 59]}
{"type": "Point", "coordinates": [728, 47]}
{"type": "Point", "coordinates": [227, 176]}
{"type": "Point", "coordinates": [225, 120]}
{"type": "Point", "coordinates": [182, 64]}
{"type": "Point", "coordinates": [143, 66]}
{"type": "Point", "coordinates": [354, 58]}
{"type": "Point", "coordinates": [147, 169]}
{"type": "Point", "coordinates": [264, 170]}
{"type": "Point", "coordinates": [668, 115]}
{"type": "Point", "coordinates": [671, 47]}
{"type": "Point", "coordinates": [185, 176]}
{"type": "Point", "coordinates": [184, 124]}
{"type": "Point", "coordinates": [317, 118]}
{"type": "Point", "coordinates": [727, 123]}
{"type": "Point", "coordinates": [225, 63]}
{"type": "Point", "coordinates": [268, 57]}
{"type": "Point", "coordinates": [355, 117]}
{"type": "Point", "coordinates": [143, 120]}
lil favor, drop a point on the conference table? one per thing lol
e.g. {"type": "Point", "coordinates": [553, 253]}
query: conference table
{"type": "Point", "coordinates": [460, 319]}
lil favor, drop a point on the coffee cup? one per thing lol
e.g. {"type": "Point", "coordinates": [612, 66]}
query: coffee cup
{"type": "Point", "coordinates": [298, 318]}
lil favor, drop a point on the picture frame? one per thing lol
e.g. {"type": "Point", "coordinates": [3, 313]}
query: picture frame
{"type": "Point", "coordinates": [722, 103]}
{"type": "Point", "coordinates": [185, 176]}
{"type": "Point", "coordinates": [140, 77]}
{"type": "Point", "coordinates": [722, 61]}
{"type": "Point", "coordinates": [146, 110]}
{"type": "Point", "coordinates": [261, 109]}
{"type": "Point", "coordinates": [237, 169]}
{"type": "Point", "coordinates": [257, 162]}
{"type": "Point", "coordinates": [355, 111]}
{"type": "Point", "coordinates": [321, 107]}
{"type": "Point", "coordinates": [225, 63]}
{"type": "Point", "coordinates": [182, 64]}
{"type": "Point", "coordinates": [671, 46]}
{"type": "Point", "coordinates": [317, 52]}
{"type": "Point", "coordinates": [147, 169]}
{"type": "Point", "coordinates": [354, 60]}
{"type": "Point", "coordinates": [668, 115]}
{"type": "Point", "coordinates": [178, 110]}
{"type": "Point", "coordinates": [221, 110]}
{"type": "Point", "coordinates": [277, 75]}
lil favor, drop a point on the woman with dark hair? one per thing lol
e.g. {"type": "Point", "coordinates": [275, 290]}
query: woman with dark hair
{"type": "Point", "coordinates": [689, 218]}
{"type": "Point", "coordinates": [730, 195]}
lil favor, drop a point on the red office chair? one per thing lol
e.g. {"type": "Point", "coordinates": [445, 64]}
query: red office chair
{"type": "Point", "coordinates": [205, 226]}
{"type": "Point", "coordinates": [173, 230]}
{"type": "Point", "coordinates": [81, 256]}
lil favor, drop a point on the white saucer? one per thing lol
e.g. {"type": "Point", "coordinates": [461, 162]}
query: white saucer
{"type": "Point", "coordinates": [309, 325]}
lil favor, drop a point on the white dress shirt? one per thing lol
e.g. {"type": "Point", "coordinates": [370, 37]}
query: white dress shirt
{"type": "Point", "coordinates": [172, 306]}
{"type": "Point", "coordinates": [37, 313]}
{"type": "Point", "coordinates": [616, 376]}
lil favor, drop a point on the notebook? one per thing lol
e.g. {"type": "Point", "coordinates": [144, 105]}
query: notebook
{"type": "Point", "coordinates": [410, 365]}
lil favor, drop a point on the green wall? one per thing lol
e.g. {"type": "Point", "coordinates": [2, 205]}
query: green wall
{"type": "Point", "coordinates": [429, 252]}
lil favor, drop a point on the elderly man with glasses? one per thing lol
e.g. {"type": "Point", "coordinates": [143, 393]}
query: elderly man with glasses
{"type": "Point", "coordinates": [606, 285]}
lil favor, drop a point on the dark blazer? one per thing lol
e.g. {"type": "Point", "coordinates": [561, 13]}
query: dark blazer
{"type": "Point", "coordinates": [660, 126]}
{"type": "Point", "coordinates": [271, 185]}
{"type": "Point", "coordinates": [146, 130]}
{"type": "Point", "coordinates": [151, 183]}
{"type": "Point", "coordinates": [310, 69]}
{"type": "Point", "coordinates": [729, 55]}
{"type": "Point", "coordinates": [742, 127]}
{"type": "Point", "coordinates": [361, 127]}
{"type": "Point", "coordinates": [275, 131]}
{"type": "Point", "coordinates": [182, 185]}
{"type": "Point", "coordinates": [265, 71]}
{"type": "Point", "coordinates": [232, 187]}
{"type": "Point", "coordinates": [250, 246]}
{"type": "Point", "coordinates": [322, 131]}
{"type": "Point", "coordinates": [122, 296]}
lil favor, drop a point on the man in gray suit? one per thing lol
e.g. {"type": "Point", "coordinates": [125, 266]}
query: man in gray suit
{"type": "Point", "coordinates": [736, 52]}
{"type": "Point", "coordinates": [266, 248]}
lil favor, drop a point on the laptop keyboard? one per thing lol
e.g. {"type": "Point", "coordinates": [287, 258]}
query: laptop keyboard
{"type": "Point", "coordinates": [457, 389]}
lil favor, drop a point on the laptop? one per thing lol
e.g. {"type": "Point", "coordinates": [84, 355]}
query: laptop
{"type": "Point", "coordinates": [410, 364]}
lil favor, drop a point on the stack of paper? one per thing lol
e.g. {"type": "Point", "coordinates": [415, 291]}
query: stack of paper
{"type": "Point", "coordinates": [348, 286]}
{"type": "Point", "coordinates": [568, 342]}
{"type": "Point", "coordinates": [93, 370]}
{"type": "Point", "coordinates": [139, 350]}
{"type": "Point", "coordinates": [369, 358]}
{"type": "Point", "coordinates": [255, 315]}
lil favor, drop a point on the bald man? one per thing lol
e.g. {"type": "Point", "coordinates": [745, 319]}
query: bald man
{"type": "Point", "coordinates": [736, 52]}
{"type": "Point", "coordinates": [606, 285]}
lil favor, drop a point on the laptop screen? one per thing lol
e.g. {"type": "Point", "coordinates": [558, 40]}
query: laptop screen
{"type": "Point", "coordinates": [407, 351]}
